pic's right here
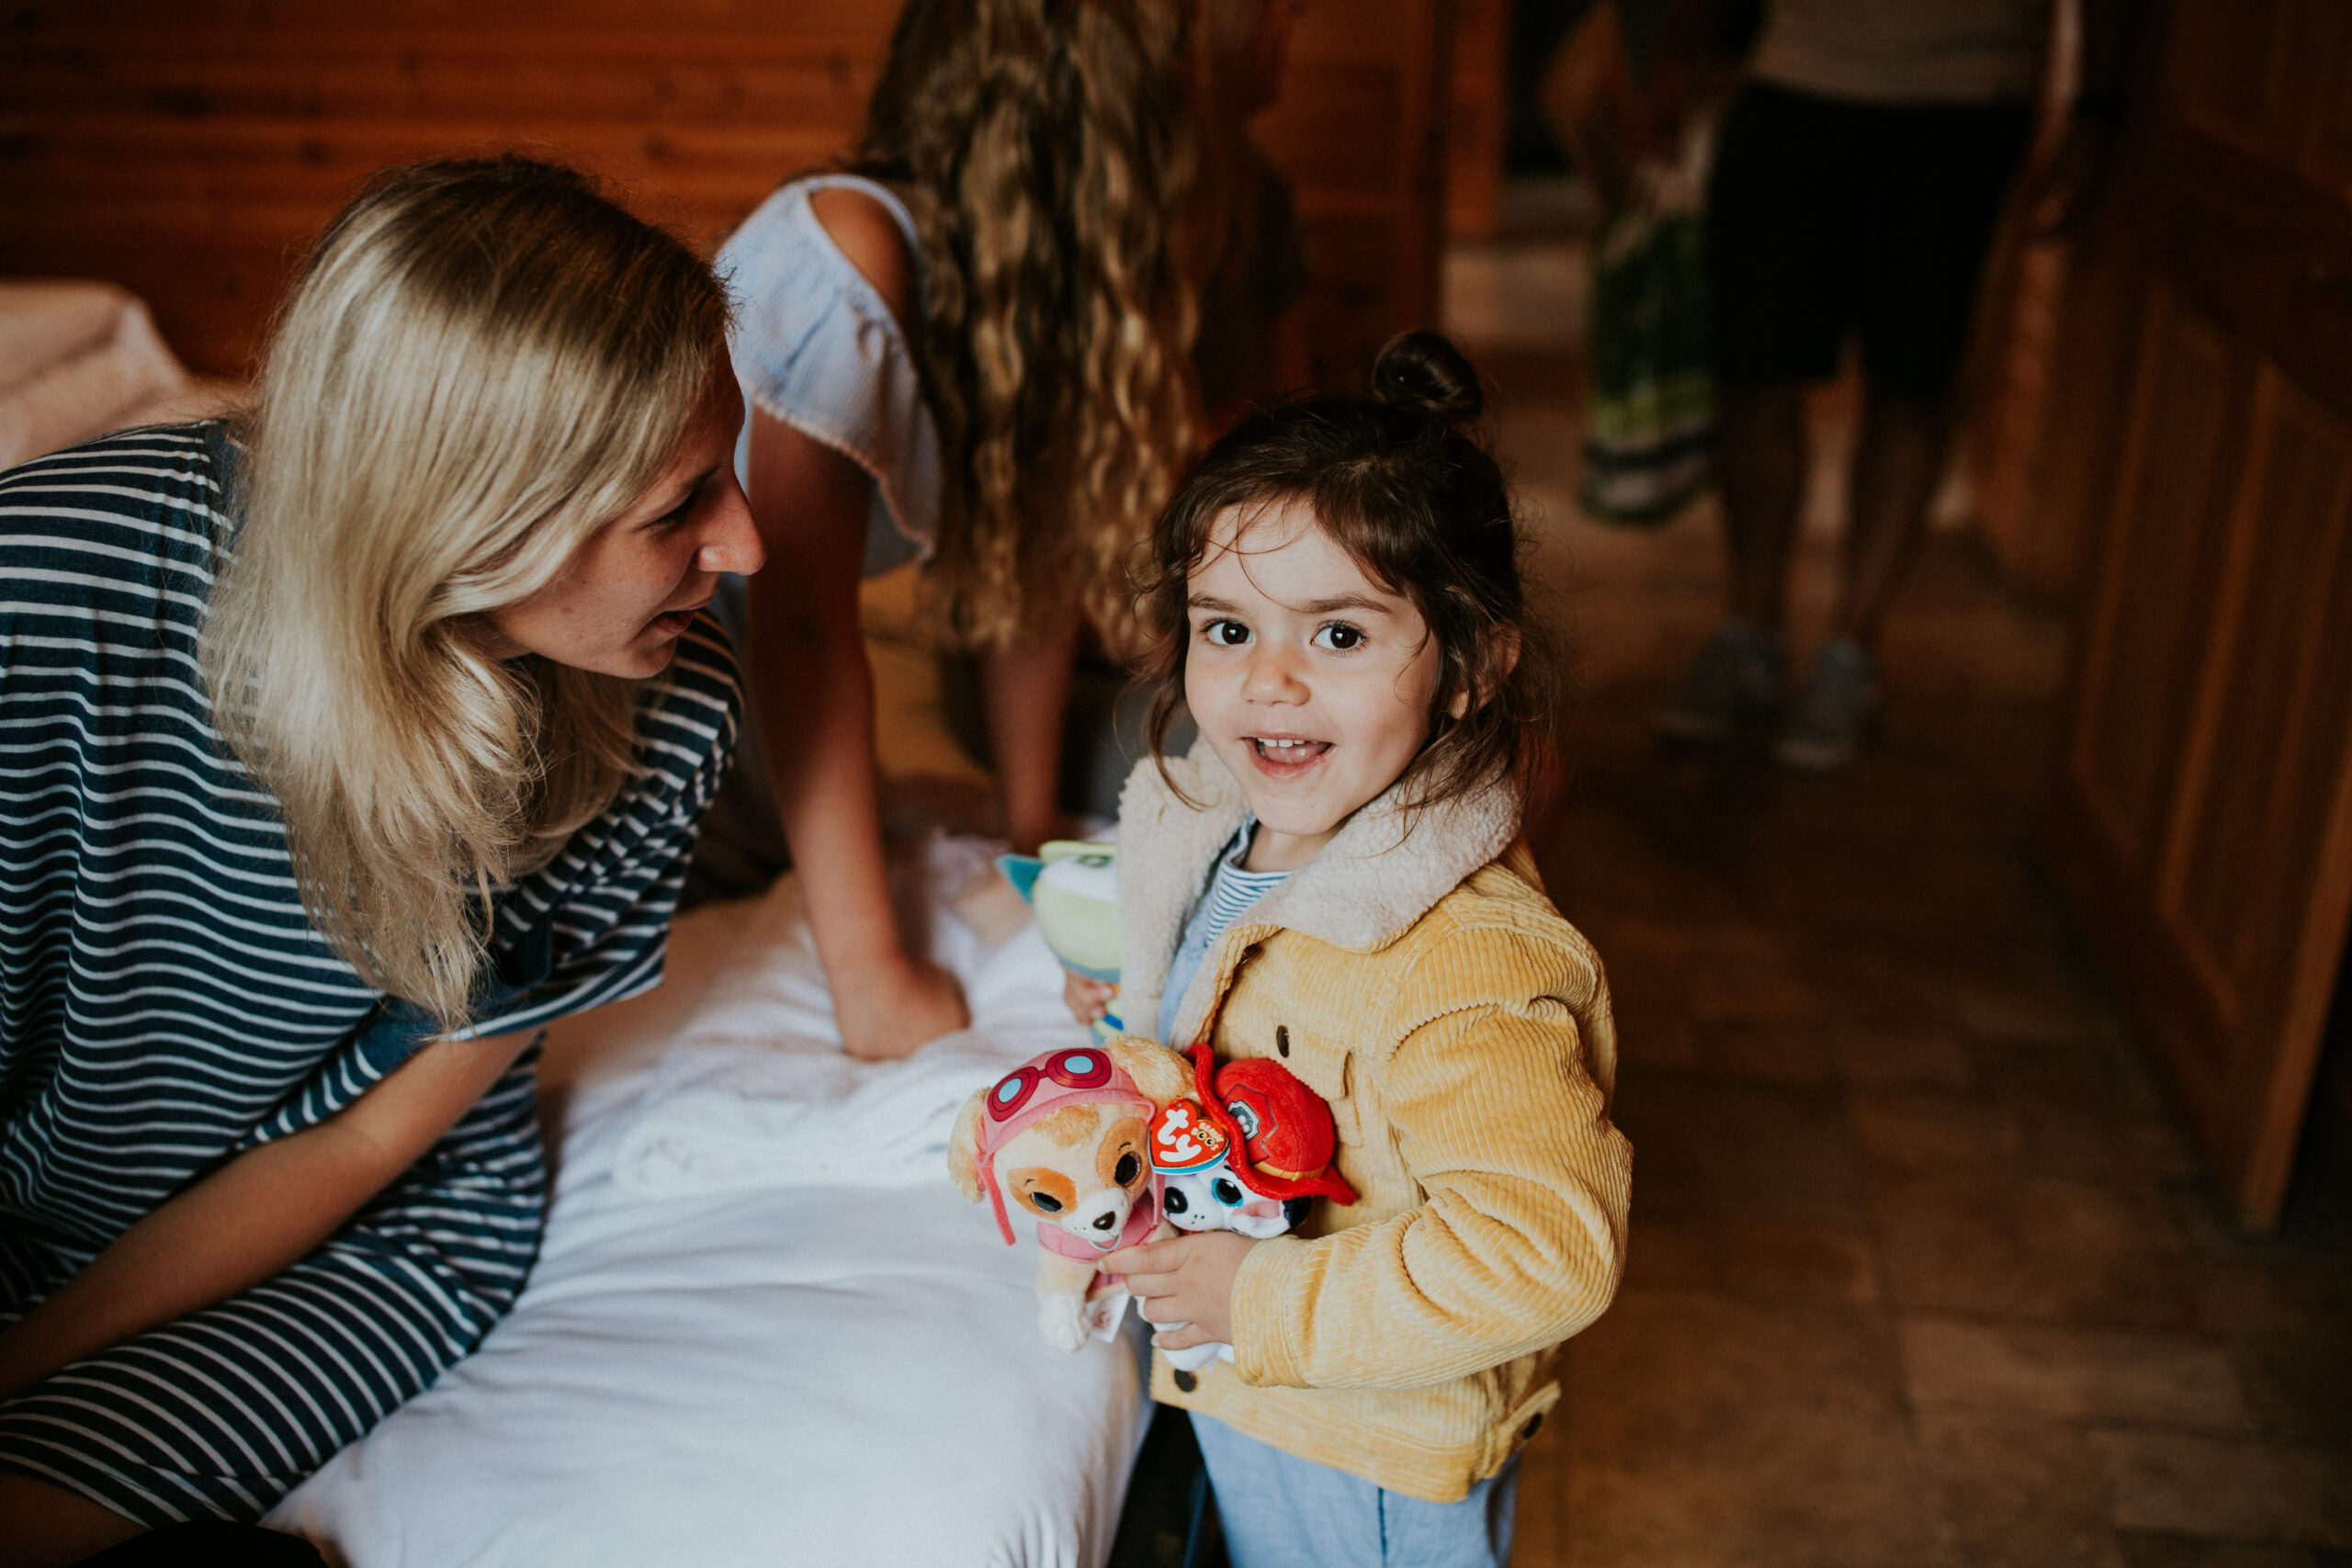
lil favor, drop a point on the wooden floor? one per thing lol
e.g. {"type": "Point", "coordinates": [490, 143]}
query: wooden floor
{"type": "Point", "coordinates": [1922, 1270]}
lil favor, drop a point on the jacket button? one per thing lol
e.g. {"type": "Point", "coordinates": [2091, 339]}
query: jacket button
{"type": "Point", "coordinates": [1186, 1383]}
{"type": "Point", "coordinates": [1533, 1421]}
{"type": "Point", "coordinates": [1282, 1038]}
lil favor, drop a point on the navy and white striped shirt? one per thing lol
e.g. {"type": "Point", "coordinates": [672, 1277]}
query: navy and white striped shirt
{"type": "Point", "coordinates": [165, 1003]}
{"type": "Point", "coordinates": [1227, 897]}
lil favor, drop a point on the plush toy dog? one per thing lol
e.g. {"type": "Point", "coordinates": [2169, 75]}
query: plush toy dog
{"type": "Point", "coordinates": [1065, 1135]}
{"type": "Point", "coordinates": [1284, 1136]}
{"type": "Point", "coordinates": [1074, 888]}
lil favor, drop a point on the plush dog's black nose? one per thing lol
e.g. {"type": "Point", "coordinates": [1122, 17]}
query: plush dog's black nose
{"type": "Point", "coordinates": [1106, 1221]}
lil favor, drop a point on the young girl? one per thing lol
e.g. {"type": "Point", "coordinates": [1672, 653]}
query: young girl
{"type": "Point", "coordinates": [966, 348]}
{"type": "Point", "coordinates": [1334, 877]}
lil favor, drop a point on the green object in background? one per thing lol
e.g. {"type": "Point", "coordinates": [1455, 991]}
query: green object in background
{"type": "Point", "coordinates": [1074, 888]}
{"type": "Point", "coordinates": [1651, 421]}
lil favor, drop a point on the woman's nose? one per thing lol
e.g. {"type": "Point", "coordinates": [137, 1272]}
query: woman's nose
{"type": "Point", "coordinates": [730, 541]}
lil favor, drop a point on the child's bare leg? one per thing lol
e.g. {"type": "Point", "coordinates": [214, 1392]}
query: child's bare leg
{"type": "Point", "coordinates": [1025, 684]}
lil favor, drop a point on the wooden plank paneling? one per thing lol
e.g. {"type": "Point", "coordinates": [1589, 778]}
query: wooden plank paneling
{"type": "Point", "coordinates": [2204, 810]}
{"type": "Point", "coordinates": [2132, 702]}
{"type": "Point", "coordinates": [189, 150]}
{"type": "Point", "coordinates": [2234, 873]}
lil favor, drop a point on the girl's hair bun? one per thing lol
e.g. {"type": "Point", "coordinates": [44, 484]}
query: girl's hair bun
{"type": "Point", "coordinates": [1423, 369]}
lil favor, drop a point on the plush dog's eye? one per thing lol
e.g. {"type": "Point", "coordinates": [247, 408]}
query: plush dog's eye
{"type": "Point", "coordinates": [1126, 1170]}
{"type": "Point", "coordinates": [1227, 1190]}
{"type": "Point", "coordinates": [1046, 1202]}
{"type": "Point", "coordinates": [1176, 1202]}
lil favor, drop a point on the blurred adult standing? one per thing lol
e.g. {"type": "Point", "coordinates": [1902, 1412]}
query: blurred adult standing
{"type": "Point", "coordinates": [1862, 173]}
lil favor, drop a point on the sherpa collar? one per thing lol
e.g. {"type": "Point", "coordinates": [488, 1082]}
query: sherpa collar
{"type": "Point", "coordinates": [1372, 882]}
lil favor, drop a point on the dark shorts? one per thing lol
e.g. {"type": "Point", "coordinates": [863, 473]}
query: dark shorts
{"type": "Point", "coordinates": [1827, 216]}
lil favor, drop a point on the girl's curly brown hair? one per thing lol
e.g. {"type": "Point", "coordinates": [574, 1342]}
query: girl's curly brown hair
{"type": "Point", "coordinates": [1398, 478]}
{"type": "Point", "coordinates": [1044, 148]}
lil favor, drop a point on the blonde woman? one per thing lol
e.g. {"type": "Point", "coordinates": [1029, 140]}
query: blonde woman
{"type": "Point", "coordinates": [349, 744]}
{"type": "Point", "coordinates": [967, 349]}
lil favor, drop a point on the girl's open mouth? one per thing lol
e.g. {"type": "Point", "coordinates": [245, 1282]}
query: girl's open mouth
{"type": "Point", "coordinates": [1285, 755]}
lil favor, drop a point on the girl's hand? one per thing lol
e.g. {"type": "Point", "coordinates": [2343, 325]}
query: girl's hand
{"type": "Point", "coordinates": [1088, 999]}
{"type": "Point", "coordinates": [1185, 1280]}
{"type": "Point", "coordinates": [886, 1011]}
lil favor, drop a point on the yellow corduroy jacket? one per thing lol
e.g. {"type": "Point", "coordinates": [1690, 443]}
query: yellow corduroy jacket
{"type": "Point", "coordinates": [1420, 982]}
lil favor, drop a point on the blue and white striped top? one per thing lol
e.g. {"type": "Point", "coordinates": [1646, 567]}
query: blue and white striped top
{"type": "Point", "coordinates": [165, 1003]}
{"type": "Point", "coordinates": [1227, 897]}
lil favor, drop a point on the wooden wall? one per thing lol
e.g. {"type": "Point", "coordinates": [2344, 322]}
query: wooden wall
{"type": "Point", "coordinates": [2202, 815]}
{"type": "Point", "coordinates": [188, 149]}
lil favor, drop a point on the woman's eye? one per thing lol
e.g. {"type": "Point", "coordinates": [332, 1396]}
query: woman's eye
{"type": "Point", "coordinates": [1226, 634]}
{"type": "Point", "coordinates": [677, 514]}
{"type": "Point", "coordinates": [1338, 637]}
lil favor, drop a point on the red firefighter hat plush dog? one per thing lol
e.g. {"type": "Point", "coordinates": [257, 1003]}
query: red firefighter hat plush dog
{"type": "Point", "coordinates": [1281, 1129]}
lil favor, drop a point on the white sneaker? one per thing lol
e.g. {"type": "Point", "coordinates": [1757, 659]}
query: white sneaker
{"type": "Point", "coordinates": [1835, 712]}
{"type": "Point", "coordinates": [1735, 680]}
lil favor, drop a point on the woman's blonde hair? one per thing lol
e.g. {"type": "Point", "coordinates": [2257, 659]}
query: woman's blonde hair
{"type": "Point", "coordinates": [482, 361]}
{"type": "Point", "coordinates": [1044, 148]}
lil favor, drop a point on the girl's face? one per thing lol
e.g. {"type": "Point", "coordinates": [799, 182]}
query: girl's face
{"type": "Point", "coordinates": [1311, 682]}
{"type": "Point", "coordinates": [634, 585]}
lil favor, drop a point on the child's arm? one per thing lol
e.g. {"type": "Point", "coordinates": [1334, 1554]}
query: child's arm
{"type": "Point", "coordinates": [1087, 1000]}
{"type": "Point", "coordinates": [1519, 1244]}
{"type": "Point", "coordinates": [812, 697]}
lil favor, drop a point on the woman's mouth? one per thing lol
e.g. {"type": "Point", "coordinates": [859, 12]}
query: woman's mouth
{"type": "Point", "coordinates": [674, 623]}
{"type": "Point", "coordinates": [1285, 756]}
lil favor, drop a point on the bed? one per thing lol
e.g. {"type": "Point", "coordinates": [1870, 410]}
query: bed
{"type": "Point", "coordinates": [764, 1327]}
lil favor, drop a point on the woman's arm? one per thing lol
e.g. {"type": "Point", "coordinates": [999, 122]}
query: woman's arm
{"type": "Point", "coordinates": [261, 1213]}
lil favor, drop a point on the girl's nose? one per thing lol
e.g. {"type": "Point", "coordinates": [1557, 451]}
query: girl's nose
{"type": "Point", "coordinates": [1271, 678]}
{"type": "Point", "coordinates": [730, 541]}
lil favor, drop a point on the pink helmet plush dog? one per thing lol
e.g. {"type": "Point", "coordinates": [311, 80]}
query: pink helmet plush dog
{"type": "Point", "coordinates": [1064, 1138]}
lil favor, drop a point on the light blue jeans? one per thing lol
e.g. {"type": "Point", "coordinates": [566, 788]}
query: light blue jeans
{"type": "Point", "coordinates": [1280, 1511]}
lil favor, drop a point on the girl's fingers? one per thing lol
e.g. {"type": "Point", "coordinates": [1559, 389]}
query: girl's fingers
{"type": "Point", "coordinates": [1146, 1258]}
{"type": "Point", "coordinates": [1182, 1336]}
{"type": "Point", "coordinates": [1154, 1288]}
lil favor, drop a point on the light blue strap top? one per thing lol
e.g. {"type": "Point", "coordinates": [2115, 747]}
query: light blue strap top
{"type": "Point", "coordinates": [816, 347]}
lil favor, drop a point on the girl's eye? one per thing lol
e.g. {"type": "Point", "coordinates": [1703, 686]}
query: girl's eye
{"type": "Point", "coordinates": [1338, 637]}
{"type": "Point", "coordinates": [1226, 634]}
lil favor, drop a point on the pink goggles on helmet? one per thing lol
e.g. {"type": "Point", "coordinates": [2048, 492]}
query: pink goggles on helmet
{"type": "Point", "coordinates": [1081, 1076]}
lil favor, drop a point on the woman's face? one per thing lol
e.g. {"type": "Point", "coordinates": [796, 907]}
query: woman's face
{"type": "Point", "coordinates": [619, 603]}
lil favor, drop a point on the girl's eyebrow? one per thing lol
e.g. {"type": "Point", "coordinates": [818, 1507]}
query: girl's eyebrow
{"type": "Point", "coordinates": [1350, 602]}
{"type": "Point", "coordinates": [1364, 601]}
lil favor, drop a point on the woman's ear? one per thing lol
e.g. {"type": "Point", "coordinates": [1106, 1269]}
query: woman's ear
{"type": "Point", "coordinates": [1506, 646]}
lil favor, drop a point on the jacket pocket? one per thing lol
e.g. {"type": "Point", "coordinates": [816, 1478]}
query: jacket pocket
{"type": "Point", "coordinates": [1328, 1069]}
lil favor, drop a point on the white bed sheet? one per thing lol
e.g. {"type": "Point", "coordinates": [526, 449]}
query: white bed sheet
{"type": "Point", "coordinates": [756, 1370]}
